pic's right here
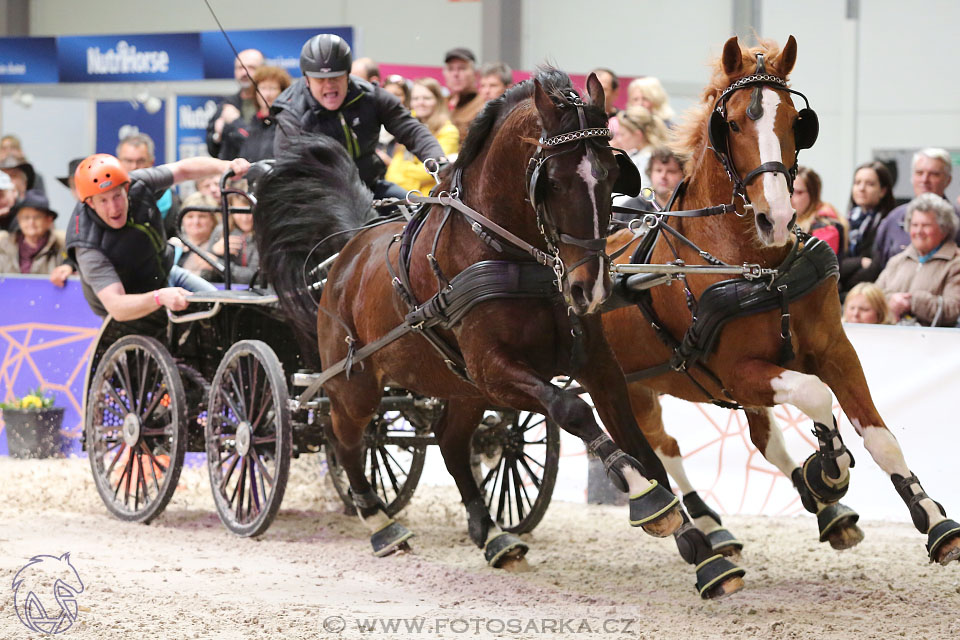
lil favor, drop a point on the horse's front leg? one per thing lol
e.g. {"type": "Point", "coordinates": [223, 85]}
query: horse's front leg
{"type": "Point", "coordinates": [837, 522]}
{"type": "Point", "coordinates": [843, 373]}
{"type": "Point", "coordinates": [604, 381]}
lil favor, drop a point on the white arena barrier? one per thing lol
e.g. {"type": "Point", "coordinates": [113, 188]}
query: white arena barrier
{"type": "Point", "coordinates": [914, 378]}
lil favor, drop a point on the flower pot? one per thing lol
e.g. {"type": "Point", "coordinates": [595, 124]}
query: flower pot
{"type": "Point", "coordinates": [33, 433]}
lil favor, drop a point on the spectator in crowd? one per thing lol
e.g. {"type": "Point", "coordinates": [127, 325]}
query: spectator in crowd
{"type": "Point", "coordinates": [242, 104]}
{"type": "Point", "coordinates": [815, 216]}
{"type": "Point", "coordinates": [8, 197]}
{"type": "Point", "coordinates": [495, 79]}
{"type": "Point", "coordinates": [209, 185]}
{"type": "Point", "coordinates": [253, 139]}
{"type": "Point", "coordinates": [430, 108]}
{"type": "Point", "coordinates": [664, 172]}
{"type": "Point", "coordinates": [327, 100]}
{"type": "Point", "coordinates": [116, 236]}
{"type": "Point", "coordinates": [931, 173]}
{"type": "Point", "coordinates": [923, 281]}
{"type": "Point", "coordinates": [460, 78]}
{"type": "Point", "coordinates": [69, 180]}
{"type": "Point", "coordinates": [399, 87]}
{"type": "Point", "coordinates": [867, 304]}
{"type": "Point", "coordinates": [11, 147]}
{"type": "Point", "coordinates": [244, 257]}
{"type": "Point", "coordinates": [648, 92]}
{"type": "Point", "coordinates": [137, 151]}
{"type": "Point", "coordinates": [197, 227]}
{"type": "Point", "coordinates": [871, 199]}
{"type": "Point", "coordinates": [638, 134]}
{"type": "Point", "coordinates": [34, 247]}
{"type": "Point", "coordinates": [22, 174]}
{"type": "Point", "coordinates": [611, 89]}
{"type": "Point", "coordinates": [366, 69]}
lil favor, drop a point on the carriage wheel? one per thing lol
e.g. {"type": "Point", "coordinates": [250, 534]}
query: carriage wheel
{"type": "Point", "coordinates": [392, 462]}
{"type": "Point", "coordinates": [136, 428]}
{"type": "Point", "coordinates": [515, 456]}
{"type": "Point", "coordinates": [248, 437]}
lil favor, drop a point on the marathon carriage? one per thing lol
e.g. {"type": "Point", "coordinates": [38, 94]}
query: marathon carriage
{"type": "Point", "coordinates": [225, 379]}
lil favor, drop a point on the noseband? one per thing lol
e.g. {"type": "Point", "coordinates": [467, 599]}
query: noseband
{"type": "Point", "coordinates": [595, 247]}
{"type": "Point", "coordinates": [806, 129]}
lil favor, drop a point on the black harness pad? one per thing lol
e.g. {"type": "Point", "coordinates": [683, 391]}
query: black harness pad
{"type": "Point", "coordinates": [730, 299]}
{"type": "Point", "coordinates": [628, 182]}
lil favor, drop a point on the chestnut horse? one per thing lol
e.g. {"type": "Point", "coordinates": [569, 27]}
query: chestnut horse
{"type": "Point", "coordinates": [745, 139]}
{"type": "Point", "coordinates": [535, 167]}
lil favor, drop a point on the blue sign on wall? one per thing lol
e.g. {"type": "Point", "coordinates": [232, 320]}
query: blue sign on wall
{"type": "Point", "coordinates": [280, 47]}
{"type": "Point", "coordinates": [28, 60]}
{"type": "Point", "coordinates": [118, 119]}
{"type": "Point", "coordinates": [130, 58]}
{"type": "Point", "coordinates": [193, 114]}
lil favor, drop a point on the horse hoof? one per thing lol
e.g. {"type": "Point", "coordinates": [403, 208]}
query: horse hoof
{"type": "Point", "coordinates": [845, 536]}
{"type": "Point", "coordinates": [724, 589]}
{"type": "Point", "coordinates": [657, 510]}
{"type": "Point", "coordinates": [514, 563]}
{"type": "Point", "coordinates": [724, 543]}
{"type": "Point", "coordinates": [390, 539]}
{"type": "Point", "coordinates": [943, 543]}
{"type": "Point", "coordinates": [503, 548]}
{"type": "Point", "coordinates": [665, 525]}
{"type": "Point", "coordinates": [838, 526]}
{"type": "Point", "coordinates": [717, 577]}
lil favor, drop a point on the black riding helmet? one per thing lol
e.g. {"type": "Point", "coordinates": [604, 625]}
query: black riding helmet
{"type": "Point", "coordinates": [325, 56]}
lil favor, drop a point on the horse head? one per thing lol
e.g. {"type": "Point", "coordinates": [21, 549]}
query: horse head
{"type": "Point", "coordinates": [570, 181]}
{"type": "Point", "coordinates": [756, 132]}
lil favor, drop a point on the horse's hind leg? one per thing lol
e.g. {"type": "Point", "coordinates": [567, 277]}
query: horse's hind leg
{"type": "Point", "coordinates": [845, 377]}
{"type": "Point", "coordinates": [454, 431]}
{"type": "Point", "coordinates": [837, 522]}
{"type": "Point", "coordinates": [647, 410]}
{"type": "Point", "coordinates": [349, 423]}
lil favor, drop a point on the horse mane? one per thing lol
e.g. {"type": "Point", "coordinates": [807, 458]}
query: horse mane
{"type": "Point", "coordinates": [691, 135]}
{"type": "Point", "coordinates": [553, 81]}
{"type": "Point", "coordinates": [313, 193]}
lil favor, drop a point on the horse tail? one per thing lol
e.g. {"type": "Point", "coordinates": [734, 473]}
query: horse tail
{"type": "Point", "coordinates": [308, 207]}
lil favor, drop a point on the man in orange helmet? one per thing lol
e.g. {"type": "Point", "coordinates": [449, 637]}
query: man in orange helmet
{"type": "Point", "coordinates": [116, 237]}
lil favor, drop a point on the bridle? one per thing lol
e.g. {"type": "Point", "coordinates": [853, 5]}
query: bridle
{"type": "Point", "coordinates": [595, 246]}
{"type": "Point", "coordinates": [805, 129]}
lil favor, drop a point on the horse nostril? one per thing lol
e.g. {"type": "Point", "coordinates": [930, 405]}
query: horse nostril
{"type": "Point", "coordinates": [764, 223]}
{"type": "Point", "coordinates": [578, 295]}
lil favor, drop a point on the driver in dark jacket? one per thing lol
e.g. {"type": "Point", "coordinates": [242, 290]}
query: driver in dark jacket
{"type": "Point", "coordinates": [328, 100]}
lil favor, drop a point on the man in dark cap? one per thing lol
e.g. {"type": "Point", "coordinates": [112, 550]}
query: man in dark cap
{"type": "Point", "coordinates": [461, 79]}
{"type": "Point", "coordinates": [328, 100]}
{"type": "Point", "coordinates": [68, 181]}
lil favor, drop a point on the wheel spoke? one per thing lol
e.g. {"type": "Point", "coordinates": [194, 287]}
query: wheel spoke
{"type": "Point", "coordinates": [254, 494]}
{"type": "Point", "coordinates": [237, 413]}
{"type": "Point", "coordinates": [263, 470]}
{"type": "Point", "coordinates": [155, 401]}
{"type": "Point", "coordinates": [117, 399]}
{"type": "Point", "coordinates": [145, 362]}
{"type": "Point", "coordinates": [265, 406]}
{"type": "Point", "coordinates": [226, 477]}
{"type": "Point", "coordinates": [241, 414]}
{"type": "Point", "coordinates": [533, 476]}
{"type": "Point", "coordinates": [154, 465]}
{"type": "Point", "coordinates": [386, 457]}
{"type": "Point", "coordinates": [114, 461]}
{"type": "Point", "coordinates": [518, 491]}
{"type": "Point", "coordinates": [241, 485]}
{"type": "Point", "coordinates": [122, 368]}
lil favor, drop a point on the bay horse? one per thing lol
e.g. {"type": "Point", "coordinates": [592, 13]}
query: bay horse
{"type": "Point", "coordinates": [537, 165]}
{"type": "Point", "coordinates": [744, 138]}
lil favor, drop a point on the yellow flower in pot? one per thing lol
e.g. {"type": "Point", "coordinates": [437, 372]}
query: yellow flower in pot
{"type": "Point", "coordinates": [32, 425]}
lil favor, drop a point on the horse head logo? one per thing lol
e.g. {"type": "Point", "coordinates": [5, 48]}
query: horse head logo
{"type": "Point", "coordinates": [45, 594]}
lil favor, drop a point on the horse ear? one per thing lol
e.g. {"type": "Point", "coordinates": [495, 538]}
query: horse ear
{"type": "Point", "coordinates": [595, 90]}
{"type": "Point", "coordinates": [548, 111]}
{"type": "Point", "coordinates": [732, 57]}
{"type": "Point", "coordinates": [788, 57]}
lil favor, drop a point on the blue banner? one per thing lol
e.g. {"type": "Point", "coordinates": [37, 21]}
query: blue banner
{"type": "Point", "coordinates": [280, 47]}
{"type": "Point", "coordinates": [193, 114]}
{"type": "Point", "coordinates": [118, 119]}
{"type": "Point", "coordinates": [28, 60]}
{"type": "Point", "coordinates": [130, 58]}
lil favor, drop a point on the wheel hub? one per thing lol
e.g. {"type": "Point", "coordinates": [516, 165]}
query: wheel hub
{"type": "Point", "coordinates": [131, 429]}
{"type": "Point", "coordinates": [244, 437]}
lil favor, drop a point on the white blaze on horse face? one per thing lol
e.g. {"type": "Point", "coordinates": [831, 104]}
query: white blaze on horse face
{"type": "Point", "coordinates": [586, 171]}
{"type": "Point", "coordinates": [775, 188]}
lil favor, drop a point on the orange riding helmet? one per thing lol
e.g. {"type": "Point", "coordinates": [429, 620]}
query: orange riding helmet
{"type": "Point", "coordinates": [99, 173]}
